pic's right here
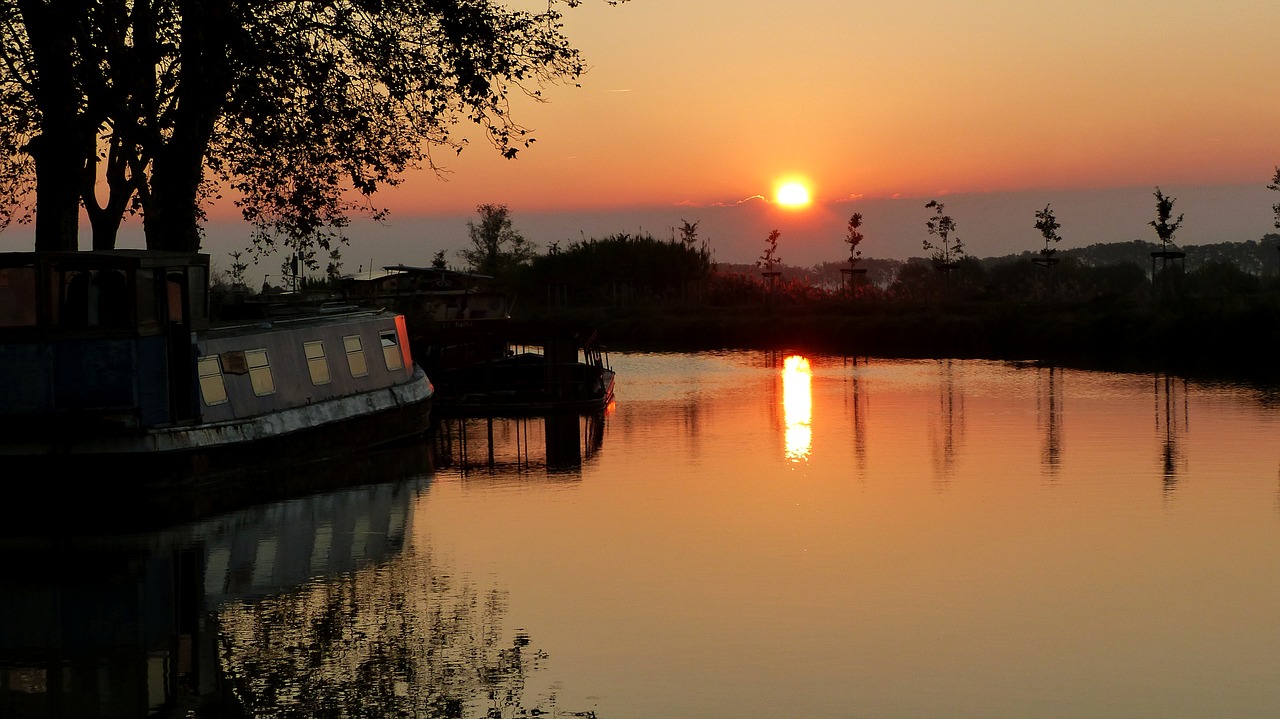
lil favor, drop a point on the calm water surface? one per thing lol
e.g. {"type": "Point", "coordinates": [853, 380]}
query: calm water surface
{"type": "Point", "coordinates": [742, 535]}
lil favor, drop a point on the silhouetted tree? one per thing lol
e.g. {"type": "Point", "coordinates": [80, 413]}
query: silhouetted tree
{"type": "Point", "coordinates": [617, 267]}
{"type": "Point", "coordinates": [1164, 228]}
{"type": "Point", "coordinates": [853, 238]}
{"type": "Point", "coordinates": [951, 249]}
{"type": "Point", "coordinates": [689, 233]}
{"type": "Point", "coordinates": [333, 270]}
{"type": "Point", "coordinates": [238, 268]}
{"type": "Point", "coordinates": [495, 244]}
{"type": "Point", "coordinates": [770, 258]}
{"type": "Point", "coordinates": [915, 280]}
{"type": "Point", "coordinates": [1275, 185]}
{"type": "Point", "coordinates": [1048, 226]}
{"type": "Point", "coordinates": [298, 107]}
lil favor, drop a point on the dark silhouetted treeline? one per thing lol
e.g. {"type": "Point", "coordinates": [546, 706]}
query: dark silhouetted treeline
{"type": "Point", "coordinates": [618, 269]}
{"type": "Point", "coordinates": [1214, 311]}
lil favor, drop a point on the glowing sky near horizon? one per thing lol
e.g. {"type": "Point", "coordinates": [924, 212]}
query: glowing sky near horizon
{"type": "Point", "coordinates": [697, 109]}
{"type": "Point", "coordinates": [709, 102]}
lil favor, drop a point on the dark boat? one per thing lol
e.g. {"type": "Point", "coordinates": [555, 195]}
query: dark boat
{"type": "Point", "coordinates": [112, 356]}
{"type": "Point", "coordinates": [460, 329]}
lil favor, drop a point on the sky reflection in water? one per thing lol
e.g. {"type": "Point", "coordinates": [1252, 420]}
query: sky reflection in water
{"type": "Point", "coordinates": [742, 535]}
{"type": "Point", "coordinates": [921, 538]}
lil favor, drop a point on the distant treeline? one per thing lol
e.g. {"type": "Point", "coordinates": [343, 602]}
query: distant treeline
{"type": "Point", "coordinates": [626, 269]}
{"type": "Point", "coordinates": [1254, 257]}
{"type": "Point", "coordinates": [1213, 309]}
{"type": "Point", "coordinates": [618, 268]}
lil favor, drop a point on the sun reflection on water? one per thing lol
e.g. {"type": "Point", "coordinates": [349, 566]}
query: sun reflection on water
{"type": "Point", "coordinates": [797, 406]}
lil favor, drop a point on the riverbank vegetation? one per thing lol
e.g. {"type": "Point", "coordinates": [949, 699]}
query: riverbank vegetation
{"type": "Point", "coordinates": [1214, 311]}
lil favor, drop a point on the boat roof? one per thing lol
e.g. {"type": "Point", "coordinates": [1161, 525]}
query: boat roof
{"type": "Point", "coordinates": [336, 315]}
{"type": "Point", "coordinates": [117, 258]}
{"type": "Point", "coordinates": [435, 272]}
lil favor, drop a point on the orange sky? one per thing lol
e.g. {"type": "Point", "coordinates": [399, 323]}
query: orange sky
{"type": "Point", "coordinates": [708, 101]}
{"type": "Point", "coordinates": [692, 108]}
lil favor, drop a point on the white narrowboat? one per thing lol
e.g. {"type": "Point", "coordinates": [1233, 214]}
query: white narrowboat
{"type": "Point", "coordinates": [112, 354]}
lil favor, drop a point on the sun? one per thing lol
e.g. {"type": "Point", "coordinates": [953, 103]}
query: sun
{"type": "Point", "coordinates": [792, 195]}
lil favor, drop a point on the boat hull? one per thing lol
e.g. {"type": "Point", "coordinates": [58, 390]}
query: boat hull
{"type": "Point", "coordinates": [395, 412]}
{"type": "Point", "coordinates": [499, 391]}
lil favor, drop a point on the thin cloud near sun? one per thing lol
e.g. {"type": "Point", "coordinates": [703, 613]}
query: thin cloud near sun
{"type": "Point", "coordinates": [743, 201]}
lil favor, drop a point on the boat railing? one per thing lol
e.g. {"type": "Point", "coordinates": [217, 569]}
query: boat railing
{"type": "Point", "coordinates": [296, 319]}
{"type": "Point", "coordinates": [591, 354]}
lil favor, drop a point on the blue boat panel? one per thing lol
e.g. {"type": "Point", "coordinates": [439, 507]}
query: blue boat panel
{"type": "Point", "coordinates": [153, 381]}
{"type": "Point", "coordinates": [94, 374]}
{"type": "Point", "coordinates": [25, 378]}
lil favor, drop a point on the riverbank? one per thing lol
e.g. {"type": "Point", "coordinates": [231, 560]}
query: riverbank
{"type": "Point", "coordinates": [1240, 340]}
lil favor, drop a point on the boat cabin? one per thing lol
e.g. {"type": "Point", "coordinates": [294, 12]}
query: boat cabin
{"type": "Point", "coordinates": [433, 295]}
{"type": "Point", "coordinates": [112, 354]}
{"type": "Point", "coordinates": [100, 339]}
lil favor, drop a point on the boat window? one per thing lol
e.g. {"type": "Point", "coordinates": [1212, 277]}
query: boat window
{"type": "Point", "coordinates": [260, 372]}
{"type": "Point", "coordinates": [316, 362]}
{"type": "Point", "coordinates": [18, 297]}
{"type": "Point", "coordinates": [212, 386]}
{"type": "Point", "coordinates": [94, 298]}
{"type": "Point", "coordinates": [198, 295]}
{"type": "Point", "coordinates": [73, 299]}
{"type": "Point", "coordinates": [175, 282]}
{"type": "Point", "coordinates": [355, 355]}
{"type": "Point", "coordinates": [391, 350]}
{"type": "Point", "coordinates": [148, 306]}
{"type": "Point", "coordinates": [114, 301]}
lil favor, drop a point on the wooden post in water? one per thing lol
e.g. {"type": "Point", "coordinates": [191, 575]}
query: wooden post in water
{"type": "Point", "coordinates": [771, 279]}
{"type": "Point", "coordinates": [1166, 257]}
{"type": "Point", "coordinates": [850, 276]}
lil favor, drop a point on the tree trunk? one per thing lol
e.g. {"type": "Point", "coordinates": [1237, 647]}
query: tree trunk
{"type": "Point", "coordinates": [57, 195]}
{"type": "Point", "coordinates": [172, 222]}
{"type": "Point", "coordinates": [105, 219]}
{"type": "Point", "coordinates": [59, 150]}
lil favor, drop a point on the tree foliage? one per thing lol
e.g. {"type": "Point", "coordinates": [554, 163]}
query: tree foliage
{"type": "Point", "coordinates": [1165, 229]}
{"type": "Point", "coordinates": [601, 270]}
{"type": "Point", "coordinates": [949, 249]}
{"type": "Point", "coordinates": [17, 168]}
{"type": "Point", "coordinates": [1275, 185]}
{"type": "Point", "coordinates": [303, 109]}
{"type": "Point", "coordinates": [689, 233]}
{"type": "Point", "coordinates": [438, 262]}
{"type": "Point", "coordinates": [1048, 226]}
{"type": "Point", "coordinates": [853, 238]}
{"type": "Point", "coordinates": [770, 259]}
{"type": "Point", "coordinates": [496, 246]}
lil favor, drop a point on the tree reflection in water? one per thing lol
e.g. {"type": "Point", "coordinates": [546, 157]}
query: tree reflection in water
{"type": "Point", "coordinates": [405, 639]}
{"type": "Point", "coordinates": [316, 606]}
{"type": "Point", "coordinates": [1049, 406]}
{"type": "Point", "coordinates": [946, 425]}
{"type": "Point", "coordinates": [859, 405]}
{"type": "Point", "coordinates": [1168, 423]}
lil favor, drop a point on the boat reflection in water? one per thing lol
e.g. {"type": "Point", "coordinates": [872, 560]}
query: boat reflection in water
{"type": "Point", "coordinates": [556, 443]}
{"type": "Point", "coordinates": [313, 606]}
